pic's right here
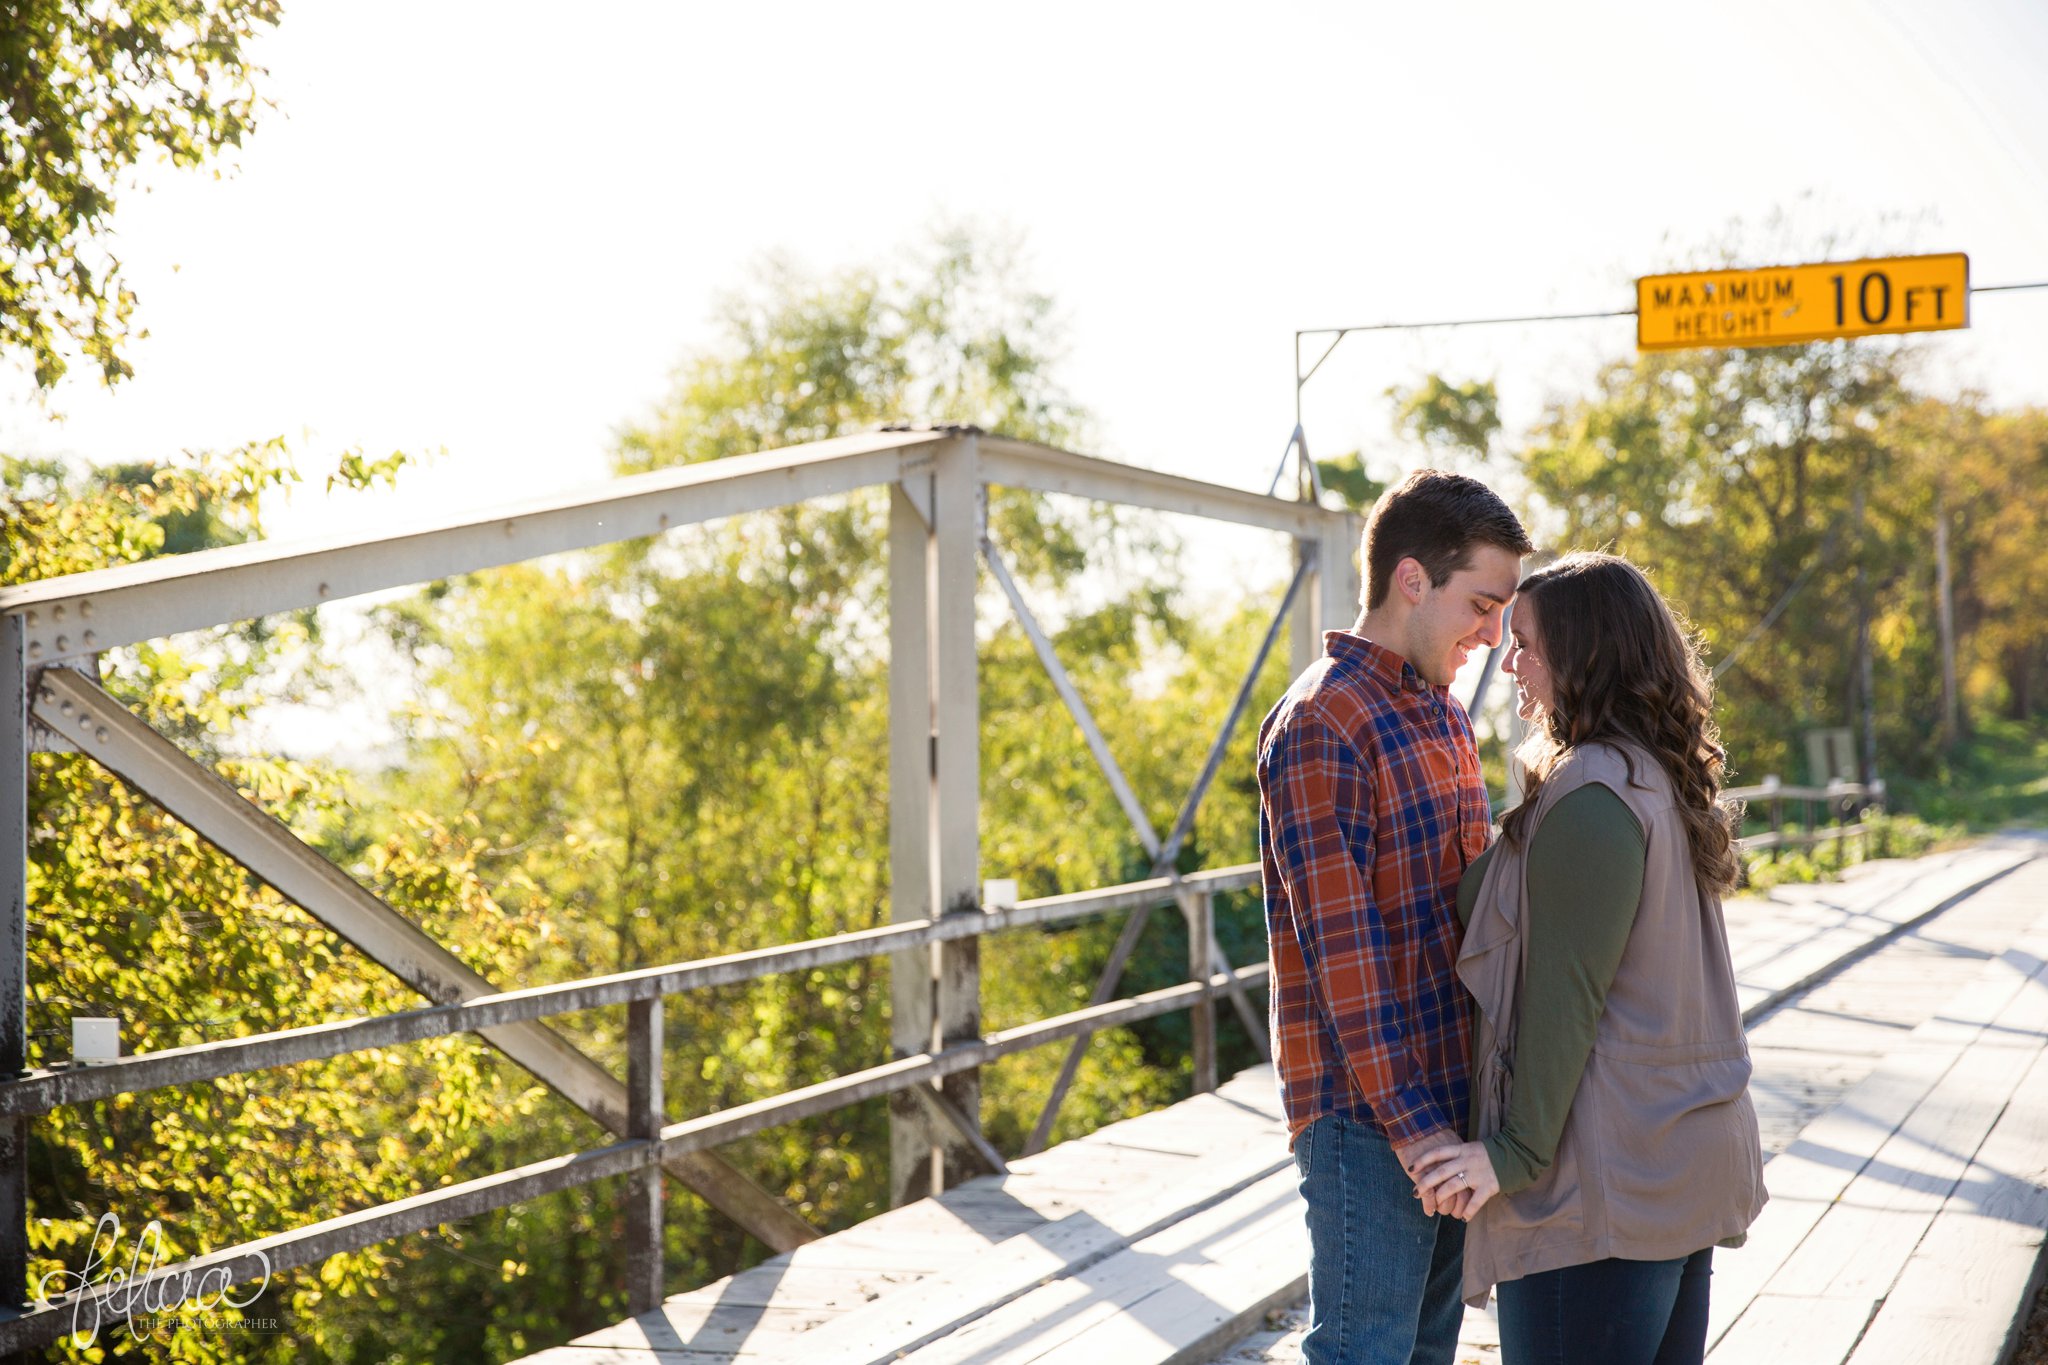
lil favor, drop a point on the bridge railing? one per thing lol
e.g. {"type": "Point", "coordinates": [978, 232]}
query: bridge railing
{"type": "Point", "coordinates": [650, 1140]}
{"type": "Point", "coordinates": [51, 699]}
{"type": "Point", "coordinates": [1825, 814]}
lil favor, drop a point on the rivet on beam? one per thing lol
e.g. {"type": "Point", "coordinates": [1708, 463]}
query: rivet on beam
{"type": "Point", "coordinates": [30, 620]}
{"type": "Point", "coordinates": [91, 639]}
{"type": "Point", "coordinates": [57, 612]}
{"type": "Point", "coordinates": [323, 590]}
{"type": "Point", "coordinates": [103, 736]}
{"type": "Point", "coordinates": [85, 608]}
{"type": "Point", "coordinates": [63, 643]}
{"type": "Point", "coordinates": [35, 649]}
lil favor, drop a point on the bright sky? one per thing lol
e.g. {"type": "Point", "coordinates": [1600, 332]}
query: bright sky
{"type": "Point", "coordinates": [496, 230]}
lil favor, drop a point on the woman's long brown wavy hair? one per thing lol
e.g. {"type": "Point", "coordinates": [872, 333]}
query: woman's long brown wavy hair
{"type": "Point", "coordinates": [1624, 669]}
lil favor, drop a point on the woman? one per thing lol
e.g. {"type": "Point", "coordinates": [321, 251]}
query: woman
{"type": "Point", "coordinates": [1610, 1073]}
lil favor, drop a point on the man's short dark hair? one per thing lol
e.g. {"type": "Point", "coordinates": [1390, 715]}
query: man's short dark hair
{"type": "Point", "coordinates": [1437, 519]}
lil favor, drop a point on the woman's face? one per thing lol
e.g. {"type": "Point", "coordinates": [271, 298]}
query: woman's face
{"type": "Point", "coordinates": [1533, 689]}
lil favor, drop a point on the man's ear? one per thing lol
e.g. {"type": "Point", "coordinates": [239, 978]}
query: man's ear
{"type": "Point", "coordinates": [1412, 579]}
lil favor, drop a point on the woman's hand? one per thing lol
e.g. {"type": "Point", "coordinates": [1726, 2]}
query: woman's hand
{"type": "Point", "coordinates": [1458, 1179]}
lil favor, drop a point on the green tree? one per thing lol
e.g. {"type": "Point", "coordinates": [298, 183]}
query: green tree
{"type": "Point", "coordinates": [688, 737]}
{"type": "Point", "coordinates": [1732, 477]}
{"type": "Point", "coordinates": [1455, 423]}
{"type": "Point", "coordinates": [89, 91]}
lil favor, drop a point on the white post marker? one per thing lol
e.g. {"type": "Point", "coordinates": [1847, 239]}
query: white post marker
{"type": "Point", "coordinates": [95, 1040]}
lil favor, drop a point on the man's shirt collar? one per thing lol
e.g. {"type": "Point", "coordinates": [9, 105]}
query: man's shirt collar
{"type": "Point", "coordinates": [1389, 669]}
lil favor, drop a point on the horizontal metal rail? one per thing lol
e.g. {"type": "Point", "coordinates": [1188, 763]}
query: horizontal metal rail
{"type": "Point", "coordinates": [350, 1232]}
{"type": "Point", "coordinates": [1773, 790]}
{"type": "Point", "coordinates": [1757, 843]}
{"type": "Point", "coordinates": [41, 1091]}
{"type": "Point", "coordinates": [79, 615]}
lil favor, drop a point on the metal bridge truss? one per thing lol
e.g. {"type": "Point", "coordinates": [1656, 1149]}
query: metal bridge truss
{"type": "Point", "coordinates": [50, 698]}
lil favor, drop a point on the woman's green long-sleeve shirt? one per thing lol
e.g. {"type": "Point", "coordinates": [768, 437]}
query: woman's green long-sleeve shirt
{"type": "Point", "coordinates": [1585, 875]}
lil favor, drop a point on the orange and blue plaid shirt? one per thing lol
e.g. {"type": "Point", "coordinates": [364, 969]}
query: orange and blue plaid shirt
{"type": "Point", "coordinates": [1371, 805]}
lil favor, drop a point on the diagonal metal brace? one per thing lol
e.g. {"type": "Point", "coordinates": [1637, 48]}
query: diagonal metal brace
{"type": "Point", "coordinates": [1064, 685]}
{"type": "Point", "coordinates": [970, 1132]}
{"type": "Point", "coordinates": [1148, 837]}
{"type": "Point", "coordinates": [110, 734]}
{"type": "Point", "coordinates": [1134, 927]}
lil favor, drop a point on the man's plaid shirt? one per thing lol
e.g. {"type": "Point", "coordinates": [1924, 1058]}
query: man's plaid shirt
{"type": "Point", "coordinates": [1371, 805]}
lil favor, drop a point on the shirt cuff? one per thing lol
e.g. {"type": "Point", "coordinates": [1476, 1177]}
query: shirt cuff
{"type": "Point", "coordinates": [1512, 1169]}
{"type": "Point", "coordinates": [1412, 1115]}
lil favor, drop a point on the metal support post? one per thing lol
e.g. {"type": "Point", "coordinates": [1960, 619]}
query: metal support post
{"type": "Point", "coordinates": [959, 507]}
{"type": "Point", "coordinates": [1337, 577]}
{"type": "Point", "coordinates": [913, 1135]}
{"type": "Point", "coordinates": [14, 744]}
{"type": "Point", "coordinates": [1308, 625]}
{"type": "Point", "coordinates": [1200, 909]}
{"type": "Point", "coordinates": [644, 1106]}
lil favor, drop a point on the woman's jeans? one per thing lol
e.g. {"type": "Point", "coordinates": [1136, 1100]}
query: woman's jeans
{"type": "Point", "coordinates": [1608, 1313]}
{"type": "Point", "coordinates": [1382, 1275]}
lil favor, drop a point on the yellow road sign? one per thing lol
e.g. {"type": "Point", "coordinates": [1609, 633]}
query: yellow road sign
{"type": "Point", "coordinates": [1782, 305]}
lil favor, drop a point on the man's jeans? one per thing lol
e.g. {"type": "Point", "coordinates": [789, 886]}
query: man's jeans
{"type": "Point", "coordinates": [1382, 1275]}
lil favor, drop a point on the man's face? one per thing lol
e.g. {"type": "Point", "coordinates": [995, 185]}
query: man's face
{"type": "Point", "coordinates": [1462, 616]}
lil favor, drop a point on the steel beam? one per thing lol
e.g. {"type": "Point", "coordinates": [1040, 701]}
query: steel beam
{"type": "Point", "coordinates": [40, 1091]}
{"type": "Point", "coordinates": [14, 747]}
{"type": "Point", "coordinates": [1337, 574]}
{"type": "Point", "coordinates": [959, 512]}
{"type": "Point", "coordinates": [116, 739]}
{"type": "Point", "coordinates": [1201, 917]}
{"type": "Point", "coordinates": [82, 613]}
{"type": "Point", "coordinates": [913, 1136]}
{"type": "Point", "coordinates": [644, 1106]}
{"type": "Point", "coordinates": [1023, 464]}
{"type": "Point", "coordinates": [968, 1131]}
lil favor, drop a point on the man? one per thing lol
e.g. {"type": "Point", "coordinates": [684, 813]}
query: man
{"type": "Point", "coordinates": [1370, 806]}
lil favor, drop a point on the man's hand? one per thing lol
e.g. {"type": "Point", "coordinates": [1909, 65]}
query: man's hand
{"type": "Point", "coordinates": [1409, 1154]}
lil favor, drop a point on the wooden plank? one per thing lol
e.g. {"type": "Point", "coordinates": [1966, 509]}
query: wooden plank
{"type": "Point", "coordinates": [1199, 1308]}
{"type": "Point", "coordinates": [1805, 1180]}
{"type": "Point", "coordinates": [1806, 1331]}
{"type": "Point", "coordinates": [1255, 1237]}
{"type": "Point", "coordinates": [1813, 940]}
{"type": "Point", "coordinates": [1808, 1179]}
{"type": "Point", "coordinates": [627, 1355]}
{"type": "Point", "coordinates": [944, 1303]}
{"type": "Point", "coordinates": [1858, 1248]}
{"type": "Point", "coordinates": [686, 1325]}
{"type": "Point", "coordinates": [777, 1284]}
{"type": "Point", "coordinates": [1967, 1284]}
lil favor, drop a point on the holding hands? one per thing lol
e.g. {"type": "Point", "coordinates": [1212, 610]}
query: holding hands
{"type": "Point", "coordinates": [1454, 1179]}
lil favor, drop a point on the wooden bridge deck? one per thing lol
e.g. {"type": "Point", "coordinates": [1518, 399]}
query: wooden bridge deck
{"type": "Point", "coordinates": [1911, 1160]}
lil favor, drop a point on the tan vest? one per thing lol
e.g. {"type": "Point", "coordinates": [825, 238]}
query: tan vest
{"type": "Point", "coordinates": [1660, 1155]}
